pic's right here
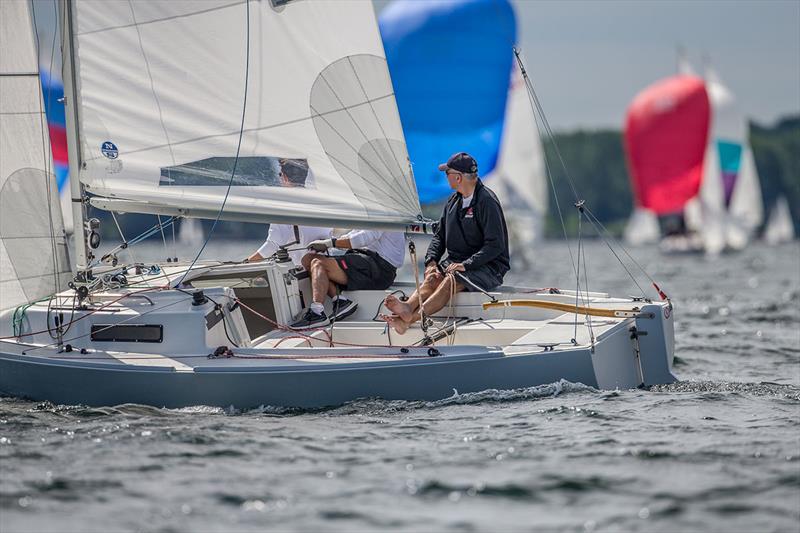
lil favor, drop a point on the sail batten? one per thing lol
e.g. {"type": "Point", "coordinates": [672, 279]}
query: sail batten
{"type": "Point", "coordinates": [161, 100]}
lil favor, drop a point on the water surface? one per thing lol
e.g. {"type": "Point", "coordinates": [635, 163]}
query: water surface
{"type": "Point", "coordinates": [718, 451]}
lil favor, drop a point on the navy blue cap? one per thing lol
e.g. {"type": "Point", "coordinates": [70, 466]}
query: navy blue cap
{"type": "Point", "coordinates": [461, 162]}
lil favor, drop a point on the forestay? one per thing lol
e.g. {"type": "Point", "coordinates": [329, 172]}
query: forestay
{"type": "Point", "coordinates": [162, 92]}
{"type": "Point", "coordinates": [33, 251]}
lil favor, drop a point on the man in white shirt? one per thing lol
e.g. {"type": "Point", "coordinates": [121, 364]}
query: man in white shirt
{"type": "Point", "coordinates": [370, 263]}
{"type": "Point", "coordinates": [286, 235]}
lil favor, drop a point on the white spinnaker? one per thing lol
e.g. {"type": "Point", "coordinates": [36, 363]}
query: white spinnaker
{"type": "Point", "coordinates": [519, 178]}
{"type": "Point", "coordinates": [33, 263]}
{"type": "Point", "coordinates": [744, 212]}
{"type": "Point", "coordinates": [164, 83]}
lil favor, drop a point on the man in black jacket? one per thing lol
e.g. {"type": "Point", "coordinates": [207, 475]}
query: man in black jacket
{"type": "Point", "coordinates": [472, 232]}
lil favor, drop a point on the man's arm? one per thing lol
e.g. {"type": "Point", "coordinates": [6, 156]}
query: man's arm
{"type": "Point", "coordinates": [358, 238]}
{"type": "Point", "coordinates": [490, 218]}
{"type": "Point", "coordinates": [276, 236]}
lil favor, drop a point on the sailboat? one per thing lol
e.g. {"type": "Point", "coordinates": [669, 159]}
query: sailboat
{"type": "Point", "coordinates": [269, 80]}
{"type": "Point", "coordinates": [720, 211]}
{"type": "Point", "coordinates": [477, 107]}
{"type": "Point", "coordinates": [779, 228]}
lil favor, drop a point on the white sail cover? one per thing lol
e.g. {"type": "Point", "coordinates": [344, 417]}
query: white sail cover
{"type": "Point", "coordinates": [519, 178]}
{"type": "Point", "coordinates": [33, 248]}
{"type": "Point", "coordinates": [162, 89]}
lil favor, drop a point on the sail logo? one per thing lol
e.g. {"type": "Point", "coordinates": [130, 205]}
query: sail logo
{"type": "Point", "coordinates": [109, 150]}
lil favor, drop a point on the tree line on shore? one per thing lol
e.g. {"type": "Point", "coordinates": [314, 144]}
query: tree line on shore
{"type": "Point", "coordinates": [595, 161]}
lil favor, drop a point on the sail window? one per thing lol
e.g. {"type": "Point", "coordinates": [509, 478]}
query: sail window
{"type": "Point", "coordinates": [250, 171]}
{"type": "Point", "coordinates": [127, 333]}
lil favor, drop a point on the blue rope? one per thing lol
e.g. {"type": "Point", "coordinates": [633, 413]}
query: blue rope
{"type": "Point", "coordinates": [238, 148]}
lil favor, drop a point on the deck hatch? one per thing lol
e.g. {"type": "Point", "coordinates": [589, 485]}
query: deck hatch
{"type": "Point", "coordinates": [127, 333]}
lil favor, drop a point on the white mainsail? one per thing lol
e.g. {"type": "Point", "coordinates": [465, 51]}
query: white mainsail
{"type": "Point", "coordinates": [33, 249]}
{"type": "Point", "coordinates": [519, 178]}
{"type": "Point", "coordinates": [161, 93]}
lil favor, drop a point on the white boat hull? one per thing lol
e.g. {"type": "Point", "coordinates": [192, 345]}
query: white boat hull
{"type": "Point", "coordinates": [501, 348]}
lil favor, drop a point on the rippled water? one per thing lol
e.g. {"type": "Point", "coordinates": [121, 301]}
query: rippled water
{"type": "Point", "coordinates": [718, 451]}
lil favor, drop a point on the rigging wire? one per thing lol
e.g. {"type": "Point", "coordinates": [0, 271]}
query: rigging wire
{"type": "Point", "coordinates": [238, 146]}
{"type": "Point", "coordinates": [163, 237]}
{"type": "Point", "coordinates": [601, 230]}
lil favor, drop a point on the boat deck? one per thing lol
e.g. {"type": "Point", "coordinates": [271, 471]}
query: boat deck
{"type": "Point", "coordinates": [354, 343]}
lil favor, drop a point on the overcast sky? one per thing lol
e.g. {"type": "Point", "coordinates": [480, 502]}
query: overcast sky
{"type": "Point", "coordinates": [588, 58]}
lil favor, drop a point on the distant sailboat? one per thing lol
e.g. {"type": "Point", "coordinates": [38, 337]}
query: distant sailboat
{"type": "Point", "coordinates": [666, 133]}
{"type": "Point", "coordinates": [730, 198]}
{"type": "Point", "coordinates": [724, 211]}
{"type": "Point", "coordinates": [779, 228]}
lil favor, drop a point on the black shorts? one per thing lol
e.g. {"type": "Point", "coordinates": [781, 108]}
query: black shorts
{"type": "Point", "coordinates": [484, 277]}
{"type": "Point", "coordinates": [366, 270]}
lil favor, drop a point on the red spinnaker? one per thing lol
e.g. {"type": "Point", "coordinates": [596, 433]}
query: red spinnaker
{"type": "Point", "coordinates": [666, 132]}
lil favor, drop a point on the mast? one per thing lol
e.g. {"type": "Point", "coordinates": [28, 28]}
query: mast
{"type": "Point", "coordinates": [73, 139]}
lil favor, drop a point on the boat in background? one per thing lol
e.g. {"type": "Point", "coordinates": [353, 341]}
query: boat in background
{"type": "Point", "coordinates": [726, 210]}
{"type": "Point", "coordinates": [456, 95]}
{"type": "Point", "coordinates": [208, 332]}
{"type": "Point", "coordinates": [780, 227]}
{"type": "Point", "coordinates": [666, 136]}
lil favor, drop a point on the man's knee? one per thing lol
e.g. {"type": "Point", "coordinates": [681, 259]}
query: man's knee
{"type": "Point", "coordinates": [306, 260]}
{"type": "Point", "coordinates": [317, 265]}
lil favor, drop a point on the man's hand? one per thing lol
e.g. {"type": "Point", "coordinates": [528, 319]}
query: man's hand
{"type": "Point", "coordinates": [432, 271]}
{"type": "Point", "coordinates": [320, 245]}
{"type": "Point", "coordinates": [452, 268]}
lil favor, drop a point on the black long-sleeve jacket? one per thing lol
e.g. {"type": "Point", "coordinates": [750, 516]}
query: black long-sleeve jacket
{"type": "Point", "coordinates": [474, 236]}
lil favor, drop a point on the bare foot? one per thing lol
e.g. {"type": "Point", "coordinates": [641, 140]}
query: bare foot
{"type": "Point", "coordinates": [401, 309]}
{"type": "Point", "coordinates": [396, 323]}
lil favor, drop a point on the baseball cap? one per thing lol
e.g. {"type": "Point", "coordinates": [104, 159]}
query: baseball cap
{"type": "Point", "coordinates": [461, 162]}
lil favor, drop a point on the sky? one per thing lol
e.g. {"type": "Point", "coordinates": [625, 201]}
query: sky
{"type": "Point", "coordinates": [588, 58]}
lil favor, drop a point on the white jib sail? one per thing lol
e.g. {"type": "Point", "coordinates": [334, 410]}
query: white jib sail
{"type": "Point", "coordinates": [519, 178]}
{"type": "Point", "coordinates": [162, 87]}
{"type": "Point", "coordinates": [33, 248]}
